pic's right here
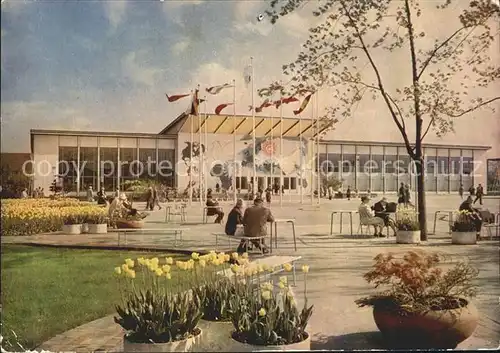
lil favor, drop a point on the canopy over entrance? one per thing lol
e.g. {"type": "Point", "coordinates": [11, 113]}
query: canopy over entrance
{"type": "Point", "coordinates": [242, 125]}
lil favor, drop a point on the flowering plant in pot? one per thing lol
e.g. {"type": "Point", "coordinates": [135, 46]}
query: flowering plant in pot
{"type": "Point", "coordinates": [424, 306]}
{"type": "Point", "coordinates": [465, 228]}
{"type": "Point", "coordinates": [157, 318]}
{"type": "Point", "coordinates": [265, 316]}
{"type": "Point", "coordinates": [407, 227]}
{"type": "Point", "coordinates": [72, 223]}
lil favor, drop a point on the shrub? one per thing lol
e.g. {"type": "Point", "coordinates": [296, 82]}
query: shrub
{"type": "Point", "coordinates": [407, 220]}
{"type": "Point", "coordinates": [464, 222]}
{"type": "Point", "coordinates": [416, 283]}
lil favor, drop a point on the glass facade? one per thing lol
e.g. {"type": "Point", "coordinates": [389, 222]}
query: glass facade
{"type": "Point", "coordinates": [68, 168]}
{"type": "Point", "coordinates": [383, 168]}
{"type": "Point", "coordinates": [88, 166]}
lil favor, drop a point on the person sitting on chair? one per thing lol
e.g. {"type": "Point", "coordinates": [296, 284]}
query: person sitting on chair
{"type": "Point", "coordinates": [367, 217]}
{"type": "Point", "coordinates": [474, 215]}
{"type": "Point", "coordinates": [255, 221]}
{"type": "Point", "coordinates": [380, 209]}
{"type": "Point", "coordinates": [234, 218]}
{"type": "Point", "coordinates": [214, 210]}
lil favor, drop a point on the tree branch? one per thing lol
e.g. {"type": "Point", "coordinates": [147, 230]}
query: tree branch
{"type": "Point", "coordinates": [471, 109]}
{"type": "Point", "coordinates": [428, 128]}
{"type": "Point", "coordinates": [433, 53]}
{"type": "Point", "coordinates": [379, 78]}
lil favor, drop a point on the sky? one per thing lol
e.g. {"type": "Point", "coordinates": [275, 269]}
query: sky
{"type": "Point", "coordinates": [106, 65]}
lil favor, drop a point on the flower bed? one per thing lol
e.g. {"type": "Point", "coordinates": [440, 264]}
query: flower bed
{"type": "Point", "coordinates": [33, 216]}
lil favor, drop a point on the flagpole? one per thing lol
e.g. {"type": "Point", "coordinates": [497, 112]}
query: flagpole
{"type": "Point", "coordinates": [317, 150]}
{"type": "Point", "coordinates": [191, 157]}
{"type": "Point", "coordinates": [200, 158]}
{"type": "Point", "coordinates": [205, 185]}
{"type": "Point", "coordinates": [234, 142]}
{"type": "Point", "coordinates": [253, 130]}
{"type": "Point", "coordinates": [281, 148]}
{"type": "Point", "coordinates": [272, 151]}
{"type": "Point", "coordinates": [301, 161]}
{"type": "Point", "coordinates": [311, 178]}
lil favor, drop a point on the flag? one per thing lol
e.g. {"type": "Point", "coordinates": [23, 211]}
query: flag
{"type": "Point", "coordinates": [218, 89]}
{"type": "Point", "coordinates": [266, 104]}
{"type": "Point", "coordinates": [195, 103]}
{"type": "Point", "coordinates": [247, 74]}
{"type": "Point", "coordinates": [303, 105]}
{"type": "Point", "coordinates": [285, 101]}
{"type": "Point", "coordinates": [220, 107]}
{"type": "Point", "coordinates": [176, 97]}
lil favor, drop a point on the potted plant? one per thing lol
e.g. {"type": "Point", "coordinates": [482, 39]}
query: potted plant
{"type": "Point", "coordinates": [407, 227]}
{"type": "Point", "coordinates": [155, 318]}
{"type": "Point", "coordinates": [97, 223]}
{"type": "Point", "coordinates": [72, 224]}
{"type": "Point", "coordinates": [464, 230]}
{"type": "Point", "coordinates": [424, 306]}
{"type": "Point", "coordinates": [265, 318]}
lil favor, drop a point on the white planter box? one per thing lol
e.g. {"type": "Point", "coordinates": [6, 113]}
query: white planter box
{"type": "Point", "coordinates": [98, 228]}
{"type": "Point", "coordinates": [408, 236]}
{"type": "Point", "coordinates": [463, 238]}
{"type": "Point", "coordinates": [188, 345]}
{"type": "Point", "coordinates": [85, 228]}
{"type": "Point", "coordinates": [72, 229]}
{"type": "Point", "coordinates": [305, 345]}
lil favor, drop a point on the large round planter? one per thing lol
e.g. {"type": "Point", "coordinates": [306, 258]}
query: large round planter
{"type": "Point", "coordinates": [408, 236]}
{"type": "Point", "coordinates": [436, 329]}
{"type": "Point", "coordinates": [463, 238]}
{"type": "Point", "coordinates": [305, 345]}
{"type": "Point", "coordinates": [98, 228]}
{"type": "Point", "coordinates": [72, 228]}
{"type": "Point", "coordinates": [187, 345]}
{"type": "Point", "coordinates": [122, 223]}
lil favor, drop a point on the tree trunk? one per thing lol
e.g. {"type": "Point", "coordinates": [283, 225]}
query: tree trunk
{"type": "Point", "coordinates": [422, 216]}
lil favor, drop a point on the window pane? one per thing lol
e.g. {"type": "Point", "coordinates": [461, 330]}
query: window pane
{"type": "Point", "coordinates": [109, 162]}
{"type": "Point", "coordinates": [166, 167]}
{"type": "Point", "coordinates": [88, 166]}
{"type": "Point", "coordinates": [67, 168]}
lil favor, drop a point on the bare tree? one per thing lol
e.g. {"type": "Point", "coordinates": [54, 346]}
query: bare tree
{"type": "Point", "coordinates": [341, 55]}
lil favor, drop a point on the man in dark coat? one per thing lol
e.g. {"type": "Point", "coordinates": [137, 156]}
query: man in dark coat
{"type": "Point", "coordinates": [234, 218]}
{"type": "Point", "coordinates": [255, 221]}
{"type": "Point", "coordinates": [473, 214]}
{"type": "Point", "coordinates": [479, 194]}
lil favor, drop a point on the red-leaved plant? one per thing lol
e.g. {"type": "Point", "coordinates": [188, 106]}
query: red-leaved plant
{"type": "Point", "coordinates": [416, 283]}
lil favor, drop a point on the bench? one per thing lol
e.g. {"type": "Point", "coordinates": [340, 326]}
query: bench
{"type": "Point", "coordinates": [205, 211]}
{"type": "Point", "coordinates": [247, 240]}
{"type": "Point", "coordinates": [124, 232]}
{"type": "Point", "coordinates": [489, 228]}
{"type": "Point", "coordinates": [275, 261]}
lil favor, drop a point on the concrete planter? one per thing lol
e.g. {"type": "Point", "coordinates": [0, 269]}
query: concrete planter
{"type": "Point", "coordinates": [434, 329]}
{"type": "Point", "coordinates": [98, 228]}
{"type": "Point", "coordinates": [408, 237]}
{"type": "Point", "coordinates": [305, 345]}
{"type": "Point", "coordinates": [72, 229]}
{"type": "Point", "coordinates": [187, 345]}
{"type": "Point", "coordinates": [463, 238]}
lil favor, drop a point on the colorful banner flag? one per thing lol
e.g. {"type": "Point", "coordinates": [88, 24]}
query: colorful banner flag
{"type": "Point", "coordinates": [195, 103]}
{"type": "Point", "coordinates": [285, 101]}
{"type": "Point", "coordinates": [221, 106]}
{"type": "Point", "coordinates": [176, 97]}
{"type": "Point", "coordinates": [217, 89]}
{"type": "Point", "coordinates": [303, 105]}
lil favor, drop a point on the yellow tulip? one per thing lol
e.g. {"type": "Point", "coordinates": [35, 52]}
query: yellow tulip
{"type": "Point", "coordinates": [125, 268]}
{"type": "Point", "coordinates": [287, 267]}
{"type": "Point", "coordinates": [235, 268]}
{"type": "Point", "coordinates": [195, 256]}
{"type": "Point", "coordinates": [155, 260]}
{"type": "Point", "coordinates": [266, 295]}
{"type": "Point", "coordinates": [267, 286]}
{"type": "Point", "coordinates": [202, 263]}
{"type": "Point", "coordinates": [281, 285]}
{"type": "Point", "coordinates": [118, 270]}
{"type": "Point", "coordinates": [262, 312]}
{"type": "Point", "coordinates": [169, 261]}
{"type": "Point", "coordinates": [305, 268]}
{"type": "Point", "coordinates": [130, 263]}
{"type": "Point", "coordinates": [140, 261]}
{"type": "Point", "coordinates": [159, 272]}
{"type": "Point", "coordinates": [227, 258]}
{"type": "Point", "coordinates": [284, 279]}
{"type": "Point", "coordinates": [168, 275]}
{"type": "Point", "coordinates": [130, 274]}
{"type": "Point", "coordinates": [165, 268]}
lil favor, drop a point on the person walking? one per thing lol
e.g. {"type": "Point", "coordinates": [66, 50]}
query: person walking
{"type": "Point", "coordinates": [479, 194]}
{"type": "Point", "coordinates": [472, 190]}
{"type": "Point", "coordinates": [461, 191]}
{"type": "Point", "coordinates": [401, 194]}
{"type": "Point", "coordinates": [156, 199]}
{"type": "Point", "coordinates": [149, 199]}
{"type": "Point", "coordinates": [268, 196]}
{"type": "Point", "coordinates": [90, 194]}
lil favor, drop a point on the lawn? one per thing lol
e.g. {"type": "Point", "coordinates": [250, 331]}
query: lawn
{"type": "Point", "coordinates": [47, 291]}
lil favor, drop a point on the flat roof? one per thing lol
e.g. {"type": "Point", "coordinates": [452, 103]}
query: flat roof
{"type": "Point", "coordinates": [99, 133]}
{"type": "Point", "coordinates": [243, 125]}
{"type": "Point", "coordinates": [400, 144]}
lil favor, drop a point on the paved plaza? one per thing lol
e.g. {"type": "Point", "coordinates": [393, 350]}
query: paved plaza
{"type": "Point", "coordinates": [337, 264]}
